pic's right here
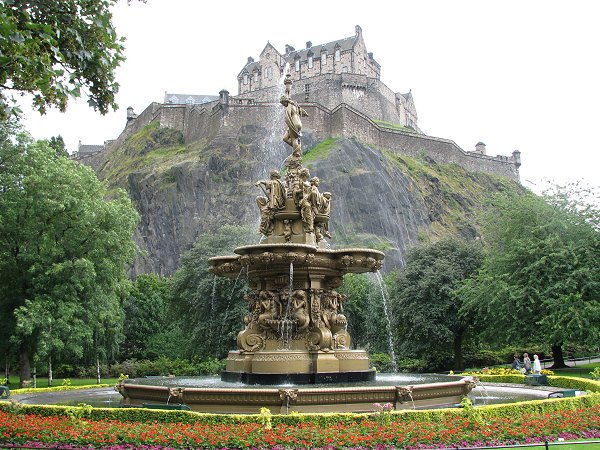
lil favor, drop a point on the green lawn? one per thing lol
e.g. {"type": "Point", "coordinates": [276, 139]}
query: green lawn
{"type": "Point", "coordinates": [42, 382]}
{"type": "Point", "coordinates": [582, 370]}
{"type": "Point", "coordinates": [567, 446]}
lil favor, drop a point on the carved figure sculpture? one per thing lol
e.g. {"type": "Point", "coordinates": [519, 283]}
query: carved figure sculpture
{"type": "Point", "coordinates": [331, 318]}
{"type": "Point", "coordinates": [299, 311]}
{"type": "Point", "coordinates": [315, 197]}
{"type": "Point", "coordinates": [293, 113]}
{"type": "Point", "coordinates": [287, 230]}
{"type": "Point", "coordinates": [266, 216]}
{"type": "Point", "coordinates": [274, 190]}
{"type": "Point", "coordinates": [269, 309]}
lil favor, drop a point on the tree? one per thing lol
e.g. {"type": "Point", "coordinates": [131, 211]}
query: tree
{"type": "Point", "coordinates": [146, 315]}
{"type": "Point", "coordinates": [57, 49]}
{"type": "Point", "coordinates": [425, 301]}
{"type": "Point", "coordinates": [58, 144]}
{"type": "Point", "coordinates": [63, 253]}
{"type": "Point", "coordinates": [211, 308]}
{"type": "Point", "coordinates": [364, 311]}
{"type": "Point", "coordinates": [540, 282]}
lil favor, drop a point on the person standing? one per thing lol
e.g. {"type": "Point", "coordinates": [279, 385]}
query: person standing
{"type": "Point", "coordinates": [516, 363]}
{"type": "Point", "coordinates": [526, 363]}
{"type": "Point", "coordinates": [537, 367]}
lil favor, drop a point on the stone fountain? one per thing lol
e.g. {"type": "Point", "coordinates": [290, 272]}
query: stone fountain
{"type": "Point", "coordinates": [295, 332]}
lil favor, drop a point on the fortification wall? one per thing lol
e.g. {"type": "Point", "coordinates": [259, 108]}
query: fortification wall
{"type": "Point", "coordinates": [206, 121]}
{"type": "Point", "coordinates": [202, 121]}
{"type": "Point", "coordinates": [150, 114]}
{"type": "Point", "coordinates": [345, 121]}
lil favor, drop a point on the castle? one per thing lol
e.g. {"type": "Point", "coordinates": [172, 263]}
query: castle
{"type": "Point", "coordinates": [337, 83]}
{"type": "Point", "coordinates": [338, 72]}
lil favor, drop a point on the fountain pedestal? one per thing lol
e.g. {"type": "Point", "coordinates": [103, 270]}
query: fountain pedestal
{"type": "Point", "coordinates": [295, 330]}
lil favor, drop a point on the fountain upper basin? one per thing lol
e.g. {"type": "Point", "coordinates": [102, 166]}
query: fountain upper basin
{"type": "Point", "coordinates": [276, 258]}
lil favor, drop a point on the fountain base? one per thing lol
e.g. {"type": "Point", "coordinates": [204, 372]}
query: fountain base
{"type": "Point", "coordinates": [298, 367]}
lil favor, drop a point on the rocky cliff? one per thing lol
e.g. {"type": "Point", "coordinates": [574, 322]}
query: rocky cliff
{"type": "Point", "coordinates": [381, 199]}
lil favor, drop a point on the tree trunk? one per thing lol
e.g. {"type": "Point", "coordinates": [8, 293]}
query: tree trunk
{"type": "Point", "coordinates": [97, 370]}
{"type": "Point", "coordinates": [459, 363]}
{"type": "Point", "coordinates": [557, 355]}
{"type": "Point", "coordinates": [24, 367]}
{"type": "Point", "coordinates": [49, 371]}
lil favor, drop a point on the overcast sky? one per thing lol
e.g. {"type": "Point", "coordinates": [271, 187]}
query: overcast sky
{"type": "Point", "coordinates": [514, 74]}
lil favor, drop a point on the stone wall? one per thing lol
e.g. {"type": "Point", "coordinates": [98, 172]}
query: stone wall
{"type": "Point", "coordinates": [368, 95]}
{"type": "Point", "coordinates": [134, 125]}
{"type": "Point", "coordinates": [206, 121]}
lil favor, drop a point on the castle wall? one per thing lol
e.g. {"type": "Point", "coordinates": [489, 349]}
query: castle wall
{"type": "Point", "coordinates": [344, 121]}
{"type": "Point", "coordinates": [151, 113]}
{"type": "Point", "coordinates": [206, 121]}
{"type": "Point", "coordinates": [202, 122]}
{"type": "Point", "coordinates": [369, 95]}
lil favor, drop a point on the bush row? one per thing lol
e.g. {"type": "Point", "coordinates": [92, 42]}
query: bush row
{"type": "Point", "coordinates": [140, 368]}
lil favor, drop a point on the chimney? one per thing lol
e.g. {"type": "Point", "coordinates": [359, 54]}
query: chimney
{"type": "Point", "coordinates": [308, 44]}
{"type": "Point", "coordinates": [370, 55]}
{"type": "Point", "coordinates": [250, 60]}
{"type": "Point", "coordinates": [480, 148]}
{"type": "Point", "coordinates": [289, 49]}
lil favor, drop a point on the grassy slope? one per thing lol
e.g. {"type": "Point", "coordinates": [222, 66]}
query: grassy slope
{"type": "Point", "coordinates": [152, 149]}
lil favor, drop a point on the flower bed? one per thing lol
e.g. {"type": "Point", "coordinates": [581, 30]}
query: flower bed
{"type": "Point", "coordinates": [86, 427]}
{"type": "Point", "coordinates": [387, 430]}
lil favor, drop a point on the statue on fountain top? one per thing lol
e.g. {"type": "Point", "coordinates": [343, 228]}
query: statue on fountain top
{"type": "Point", "coordinates": [294, 211]}
{"type": "Point", "coordinates": [293, 114]}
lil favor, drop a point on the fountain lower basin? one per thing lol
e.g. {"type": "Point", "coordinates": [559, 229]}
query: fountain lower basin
{"type": "Point", "coordinates": [285, 399]}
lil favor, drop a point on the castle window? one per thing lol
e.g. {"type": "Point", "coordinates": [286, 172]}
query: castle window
{"type": "Point", "coordinates": [245, 78]}
{"type": "Point", "coordinates": [297, 64]}
{"type": "Point", "coordinates": [255, 77]}
{"type": "Point", "coordinates": [323, 58]}
{"type": "Point", "coordinates": [189, 100]}
{"type": "Point", "coordinates": [338, 55]}
{"type": "Point", "coordinates": [270, 73]}
{"type": "Point", "coordinates": [310, 62]}
{"type": "Point", "coordinates": [306, 92]}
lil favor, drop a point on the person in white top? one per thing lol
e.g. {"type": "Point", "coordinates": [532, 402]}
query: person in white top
{"type": "Point", "coordinates": [537, 367]}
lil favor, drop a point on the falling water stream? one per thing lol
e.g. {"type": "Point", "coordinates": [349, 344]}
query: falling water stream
{"type": "Point", "coordinates": [212, 311]}
{"type": "Point", "coordinates": [388, 320]}
{"type": "Point", "coordinates": [286, 324]}
{"type": "Point", "coordinates": [231, 295]}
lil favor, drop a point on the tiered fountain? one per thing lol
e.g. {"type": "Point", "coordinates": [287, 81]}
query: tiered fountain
{"type": "Point", "coordinates": [295, 332]}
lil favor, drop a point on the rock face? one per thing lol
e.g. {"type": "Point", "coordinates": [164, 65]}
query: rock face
{"type": "Point", "coordinates": [381, 199]}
